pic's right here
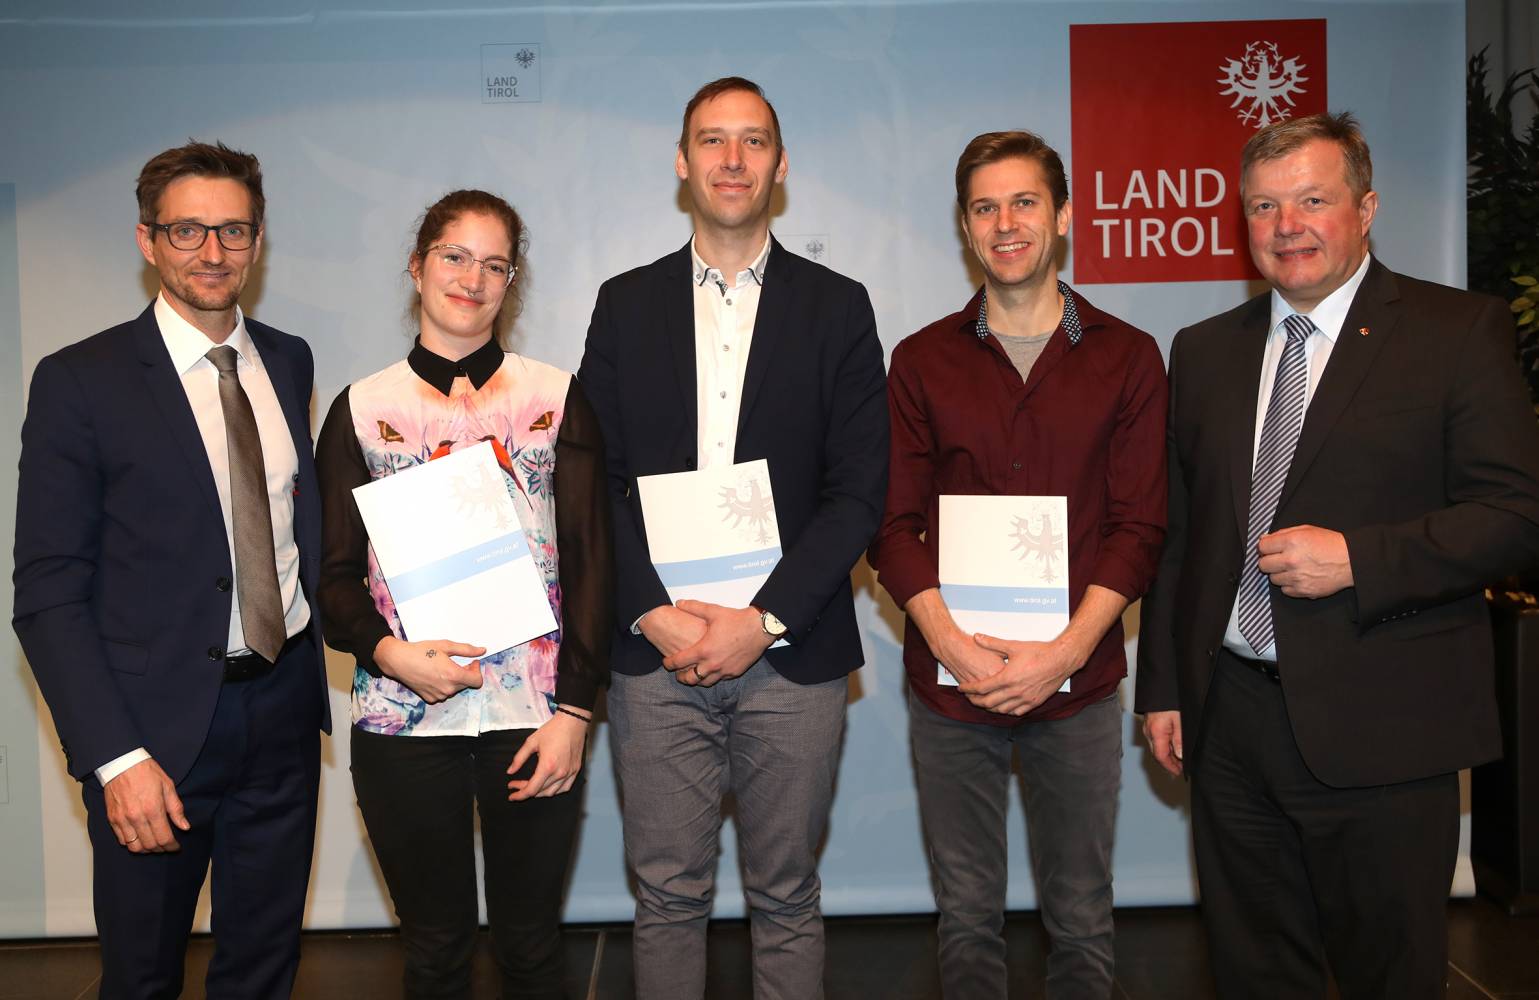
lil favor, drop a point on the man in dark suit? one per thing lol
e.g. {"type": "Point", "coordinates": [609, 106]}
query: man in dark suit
{"type": "Point", "coordinates": [167, 537]}
{"type": "Point", "coordinates": [728, 350]}
{"type": "Point", "coordinates": [1352, 458]}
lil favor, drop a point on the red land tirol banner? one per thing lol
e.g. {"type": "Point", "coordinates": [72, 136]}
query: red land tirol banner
{"type": "Point", "coordinates": [1160, 114]}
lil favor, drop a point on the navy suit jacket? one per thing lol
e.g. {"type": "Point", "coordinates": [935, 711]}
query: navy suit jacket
{"type": "Point", "coordinates": [814, 405]}
{"type": "Point", "coordinates": [123, 568]}
{"type": "Point", "coordinates": [1420, 447]}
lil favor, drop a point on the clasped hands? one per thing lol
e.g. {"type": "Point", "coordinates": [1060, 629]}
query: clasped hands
{"type": "Point", "coordinates": [1004, 675]}
{"type": "Point", "coordinates": [704, 644]}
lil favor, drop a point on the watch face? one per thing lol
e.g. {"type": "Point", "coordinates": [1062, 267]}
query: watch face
{"type": "Point", "coordinates": [772, 625]}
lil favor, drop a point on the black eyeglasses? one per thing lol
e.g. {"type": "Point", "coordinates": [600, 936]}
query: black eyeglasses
{"type": "Point", "coordinates": [188, 235]}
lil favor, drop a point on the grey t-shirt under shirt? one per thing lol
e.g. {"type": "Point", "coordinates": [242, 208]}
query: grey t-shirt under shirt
{"type": "Point", "coordinates": [1023, 352]}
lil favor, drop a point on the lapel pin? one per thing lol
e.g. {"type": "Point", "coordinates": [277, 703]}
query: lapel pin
{"type": "Point", "coordinates": [1362, 331]}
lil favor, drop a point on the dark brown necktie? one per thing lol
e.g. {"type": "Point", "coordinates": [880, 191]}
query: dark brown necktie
{"type": "Point", "coordinates": [256, 568]}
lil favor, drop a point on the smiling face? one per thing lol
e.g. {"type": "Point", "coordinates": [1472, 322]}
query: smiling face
{"type": "Point", "coordinates": [460, 307]}
{"type": "Point", "coordinates": [1011, 224]}
{"type": "Point", "coordinates": [731, 162]}
{"type": "Point", "coordinates": [1308, 231]}
{"type": "Point", "coordinates": [202, 285]}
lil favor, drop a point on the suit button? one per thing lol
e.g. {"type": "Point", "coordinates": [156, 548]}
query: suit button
{"type": "Point", "coordinates": [1234, 578]}
{"type": "Point", "coordinates": [1212, 653]}
{"type": "Point", "coordinates": [222, 585]}
{"type": "Point", "coordinates": [215, 653]}
{"type": "Point", "coordinates": [689, 463]}
{"type": "Point", "coordinates": [1016, 466]}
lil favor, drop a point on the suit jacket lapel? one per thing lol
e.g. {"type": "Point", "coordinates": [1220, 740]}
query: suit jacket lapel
{"type": "Point", "coordinates": [1249, 349]}
{"type": "Point", "coordinates": [1351, 357]}
{"type": "Point", "coordinates": [679, 332]}
{"type": "Point", "coordinates": [296, 412]}
{"type": "Point", "coordinates": [165, 390]}
{"type": "Point", "coordinates": [768, 326]}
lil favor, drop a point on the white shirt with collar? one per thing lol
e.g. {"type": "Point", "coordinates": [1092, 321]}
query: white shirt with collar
{"type": "Point", "coordinates": [1328, 318]}
{"type": "Point", "coordinates": [188, 347]}
{"type": "Point", "coordinates": [724, 322]}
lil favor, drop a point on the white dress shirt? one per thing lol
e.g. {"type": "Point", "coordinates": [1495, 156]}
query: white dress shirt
{"type": "Point", "coordinates": [188, 347]}
{"type": "Point", "coordinates": [724, 321]}
{"type": "Point", "coordinates": [1327, 317]}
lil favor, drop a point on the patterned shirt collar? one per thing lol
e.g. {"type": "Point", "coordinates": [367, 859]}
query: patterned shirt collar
{"type": "Point", "coordinates": [1071, 324]}
{"type": "Point", "coordinates": [440, 373]}
{"type": "Point", "coordinates": [753, 272]}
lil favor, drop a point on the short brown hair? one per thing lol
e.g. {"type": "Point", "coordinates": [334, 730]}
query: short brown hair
{"type": "Point", "coordinates": [199, 159]}
{"type": "Point", "coordinates": [449, 209]}
{"type": "Point", "coordinates": [715, 89]}
{"type": "Point", "coordinates": [991, 147]}
{"type": "Point", "coordinates": [1282, 138]}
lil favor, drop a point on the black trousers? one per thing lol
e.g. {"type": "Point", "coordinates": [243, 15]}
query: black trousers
{"type": "Point", "coordinates": [250, 797]}
{"type": "Point", "coordinates": [1298, 876]}
{"type": "Point", "coordinates": [418, 795]}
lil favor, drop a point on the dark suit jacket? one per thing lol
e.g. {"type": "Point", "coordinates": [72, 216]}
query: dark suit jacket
{"type": "Point", "coordinates": [814, 405]}
{"type": "Point", "coordinates": [123, 568]}
{"type": "Point", "coordinates": [1420, 446]}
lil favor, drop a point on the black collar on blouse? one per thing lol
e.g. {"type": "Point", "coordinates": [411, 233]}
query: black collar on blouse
{"type": "Point", "coordinates": [440, 373]}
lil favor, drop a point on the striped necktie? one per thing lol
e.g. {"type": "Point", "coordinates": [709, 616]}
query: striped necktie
{"type": "Point", "coordinates": [1279, 438]}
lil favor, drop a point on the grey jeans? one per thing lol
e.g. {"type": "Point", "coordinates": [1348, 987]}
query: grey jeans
{"type": "Point", "coordinates": [1072, 769]}
{"type": "Point", "coordinates": [678, 751]}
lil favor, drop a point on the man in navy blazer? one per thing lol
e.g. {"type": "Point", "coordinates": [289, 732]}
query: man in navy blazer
{"type": "Point", "coordinates": [730, 350]}
{"type": "Point", "coordinates": [141, 609]}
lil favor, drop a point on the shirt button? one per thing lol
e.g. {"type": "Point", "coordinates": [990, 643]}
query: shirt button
{"type": "Point", "coordinates": [726, 347]}
{"type": "Point", "coordinates": [723, 395]}
{"type": "Point", "coordinates": [729, 302]}
{"type": "Point", "coordinates": [1016, 466]}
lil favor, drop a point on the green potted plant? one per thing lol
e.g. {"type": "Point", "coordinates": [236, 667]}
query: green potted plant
{"type": "Point", "coordinates": [1503, 232]}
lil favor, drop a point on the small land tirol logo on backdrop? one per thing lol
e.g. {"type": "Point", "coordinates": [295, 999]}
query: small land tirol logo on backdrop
{"type": "Point", "coordinates": [510, 73]}
{"type": "Point", "coordinates": [1160, 114]}
{"type": "Point", "coordinates": [813, 246]}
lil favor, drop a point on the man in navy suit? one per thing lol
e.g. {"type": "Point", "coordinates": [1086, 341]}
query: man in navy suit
{"type": "Point", "coordinates": [728, 350]}
{"type": "Point", "coordinates": [167, 537]}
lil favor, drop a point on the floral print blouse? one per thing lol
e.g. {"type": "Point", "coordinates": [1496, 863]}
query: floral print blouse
{"type": "Point", "coordinates": [547, 441]}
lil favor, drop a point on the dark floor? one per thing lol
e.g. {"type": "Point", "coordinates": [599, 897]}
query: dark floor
{"type": "Point", "coordinates": [1160, 954]}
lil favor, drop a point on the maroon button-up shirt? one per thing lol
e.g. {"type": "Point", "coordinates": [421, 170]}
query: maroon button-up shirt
{"type": "Point", "coordinates": [1088, 424]}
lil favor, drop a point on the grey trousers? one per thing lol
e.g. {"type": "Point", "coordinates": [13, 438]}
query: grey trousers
{"type": "Point", "coordinates": [678, 751]}
{"type": "Point", "coordinates": [1072, 769]}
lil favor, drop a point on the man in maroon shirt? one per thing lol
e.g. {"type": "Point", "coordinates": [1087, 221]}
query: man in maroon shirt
{"type": "Point", "coordinates": [1029, 390]}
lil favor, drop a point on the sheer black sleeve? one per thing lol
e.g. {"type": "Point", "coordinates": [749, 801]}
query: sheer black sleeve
{"type": "Point", "coordinates": [585, 550]}
{"type": "Point", "coordinates": [352, 623]}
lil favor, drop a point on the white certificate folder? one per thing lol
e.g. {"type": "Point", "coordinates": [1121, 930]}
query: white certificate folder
{"type": "Point", "coordinates": [1004, 567]}
{"type": "Point", "coordinates": [447, 538]}
{"type": "Point", "coordinates": [712, 533]}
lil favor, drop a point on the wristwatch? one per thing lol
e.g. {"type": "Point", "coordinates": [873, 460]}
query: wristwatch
{"type": "Point", "coordinates": [773, 627]}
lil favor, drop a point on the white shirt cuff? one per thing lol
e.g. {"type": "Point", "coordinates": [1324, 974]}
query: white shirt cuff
{"type": "Point", "coordinates": [118, 765]}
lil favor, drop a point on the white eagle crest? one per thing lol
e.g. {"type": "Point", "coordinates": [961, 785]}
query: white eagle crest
{"type": "Point", "coordinates": [1264, 82]}
{"type": "Point", "coordinates": [753, 511]}
{"type": "Point", "coordinates": [1040, 545]}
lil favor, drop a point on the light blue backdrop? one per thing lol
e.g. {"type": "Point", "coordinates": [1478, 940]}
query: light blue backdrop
{"type": "Point", "coordinates": [364, 111]}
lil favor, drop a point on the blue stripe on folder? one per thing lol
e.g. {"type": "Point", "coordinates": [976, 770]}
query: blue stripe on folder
{"type": "Point", "coordinates": [452, 569]}
{"type": "Point", "coordinates": [718, 568]}
{"type": "Point", "coordinates": [1028, 600]}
